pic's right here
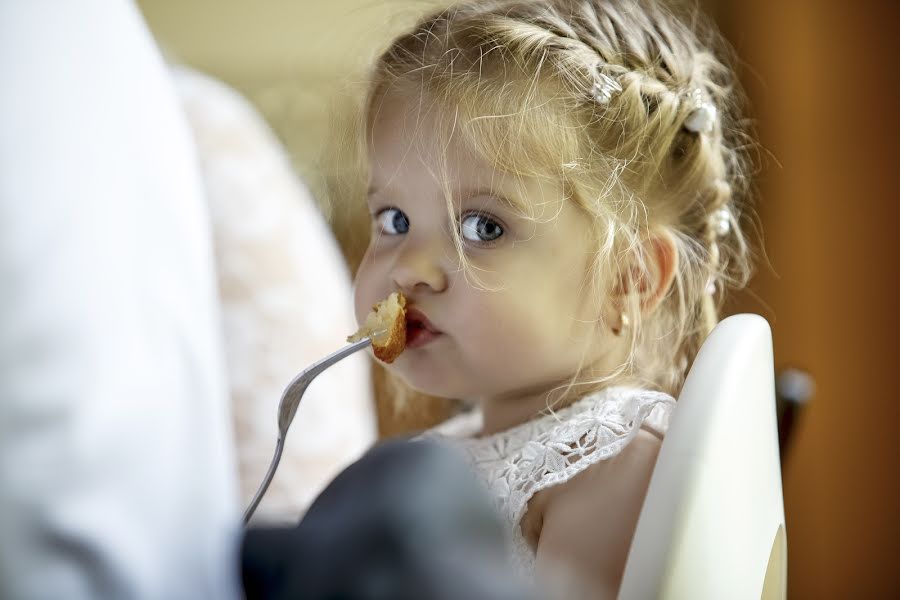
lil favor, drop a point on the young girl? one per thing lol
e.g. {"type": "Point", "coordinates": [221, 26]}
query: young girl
{"type": "Point", "coordinates": [554, 185]}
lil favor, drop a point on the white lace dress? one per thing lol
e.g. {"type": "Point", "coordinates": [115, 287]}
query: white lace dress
{"type": "Point", "coordinates": [517, 463]}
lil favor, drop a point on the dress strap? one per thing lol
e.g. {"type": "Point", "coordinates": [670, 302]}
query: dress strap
{"type": "Point", "coordinates": [517, 463]}
{"type": "Point", "coordinates": [600, 429]}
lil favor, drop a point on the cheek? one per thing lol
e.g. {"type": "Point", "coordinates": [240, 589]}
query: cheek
{"type": "Point", "coordinates": [358, 303]}
{"type": "Point", "coordinates": [535, 325]}
{"type": "Point", "coordinates": [503, 327]}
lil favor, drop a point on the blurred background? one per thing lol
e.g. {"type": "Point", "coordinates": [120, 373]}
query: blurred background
{"type": "Point", "coordinates": [824, 91]}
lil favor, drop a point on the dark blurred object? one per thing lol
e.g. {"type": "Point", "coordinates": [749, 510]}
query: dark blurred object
{"type": "Point", "coordinates": [406, 521]}
{"type": "Point", "coordinates": [793, 390]}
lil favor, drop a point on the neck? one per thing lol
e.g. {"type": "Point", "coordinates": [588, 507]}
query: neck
{"type": "Point", "coordinates": [513, 408]}
{"type": "Point", "coordinates": [502, 412]}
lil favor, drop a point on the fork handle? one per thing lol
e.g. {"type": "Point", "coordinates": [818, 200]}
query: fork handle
{"type": "Point", "coordinates": [287, 408]}
{"type": "Point", "coordinates": [290, 399]}
{"type": "Point", "coordinates": [279, 447]}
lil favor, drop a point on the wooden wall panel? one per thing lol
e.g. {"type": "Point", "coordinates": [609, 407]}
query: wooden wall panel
{"type": "Point", "coordinates": [824, 82]}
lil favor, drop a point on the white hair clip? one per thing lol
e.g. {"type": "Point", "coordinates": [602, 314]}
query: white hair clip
{"type": "Point", "coordinates": [604, 89]}
{"type": "Point", "coordinates": [703, 118]}
{"type": "Point", "coordinates": [723, 222]}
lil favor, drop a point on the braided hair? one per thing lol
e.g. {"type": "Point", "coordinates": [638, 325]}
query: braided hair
{"type": "Point", "coordinates": [630, 104]}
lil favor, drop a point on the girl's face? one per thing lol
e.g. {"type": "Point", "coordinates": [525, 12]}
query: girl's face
{"type": "Point", "coordinates": [522, 317]}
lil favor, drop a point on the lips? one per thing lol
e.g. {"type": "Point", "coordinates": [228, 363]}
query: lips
{"type": "Point", "coordinates": [419, 330]}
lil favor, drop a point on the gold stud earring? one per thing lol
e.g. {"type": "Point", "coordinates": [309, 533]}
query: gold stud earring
{"type": "Point", "coordinates": [624, 322]}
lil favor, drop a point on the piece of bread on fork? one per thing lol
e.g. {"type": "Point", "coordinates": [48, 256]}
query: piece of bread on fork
{"type": "Point", "coordinates": [386, 325]}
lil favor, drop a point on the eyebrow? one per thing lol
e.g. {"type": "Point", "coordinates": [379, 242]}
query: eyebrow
{"type": "Point", "coordinates": [469, 194]}
{"type": "Point", "coordinates": [493, 195]}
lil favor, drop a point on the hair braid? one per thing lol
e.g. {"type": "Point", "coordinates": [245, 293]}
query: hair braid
{"type": "Point", "coordinates": [633, 162]}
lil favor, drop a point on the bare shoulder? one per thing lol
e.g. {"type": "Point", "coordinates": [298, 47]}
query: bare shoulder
{"type": "Point", "coordinates": [589, 521]}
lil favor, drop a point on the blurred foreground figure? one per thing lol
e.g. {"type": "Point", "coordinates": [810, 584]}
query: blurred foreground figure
{"type": "Point", "coordinates": [286, 301]}
{"type": "Point", "coordinates": [407, 521]}
{"type": "Point", "coordinates": [116, 464]}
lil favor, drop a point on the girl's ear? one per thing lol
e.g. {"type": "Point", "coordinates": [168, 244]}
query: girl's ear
{"type": "Point", "coordinates": [651, 284]}
{"type": "Point", "coordinates": [662, 264]}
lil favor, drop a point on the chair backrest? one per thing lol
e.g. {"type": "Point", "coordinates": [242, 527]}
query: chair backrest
{"type": "Point", "coordinates": [712, 524]}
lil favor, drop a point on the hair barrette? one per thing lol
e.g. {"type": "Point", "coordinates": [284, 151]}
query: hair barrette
{"type": "Point", "coordinates": [604, 89]}
{"type": "Point", "coordinates": [703, 117]}
{"type": "Point", "coordinates": [723, 222]}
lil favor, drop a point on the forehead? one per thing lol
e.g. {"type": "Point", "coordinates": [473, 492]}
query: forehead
{"type": "Point", "coordinates": [412, 142]}
{"type": "Point", "coordinates": [401, 134]}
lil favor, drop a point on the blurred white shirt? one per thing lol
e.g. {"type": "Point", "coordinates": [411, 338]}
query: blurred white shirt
{"type": "Point", "coordinates": [117, 475]}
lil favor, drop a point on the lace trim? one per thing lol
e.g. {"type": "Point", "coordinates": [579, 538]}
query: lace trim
{"type": "Point", "coordinates": [519, 462]}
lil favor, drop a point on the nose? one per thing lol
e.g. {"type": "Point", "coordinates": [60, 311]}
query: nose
{"type": "Point", "coordinates": [420, 267]}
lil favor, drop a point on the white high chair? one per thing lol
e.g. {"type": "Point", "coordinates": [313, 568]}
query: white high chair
{"type": "Point", "coordinates": [712, 524]}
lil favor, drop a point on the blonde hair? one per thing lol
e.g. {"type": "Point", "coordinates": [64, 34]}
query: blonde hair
{"type": "Point", "coordinates": [515, 80]}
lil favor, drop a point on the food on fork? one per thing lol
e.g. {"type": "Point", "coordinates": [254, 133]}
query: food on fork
{"type": "Point", "coordinates": [386, 325]}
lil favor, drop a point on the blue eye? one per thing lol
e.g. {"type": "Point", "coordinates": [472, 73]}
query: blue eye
{"type": "Point", "coordinates": [392, 221]}
{"type": "Point", "coordinates": [480, 228]}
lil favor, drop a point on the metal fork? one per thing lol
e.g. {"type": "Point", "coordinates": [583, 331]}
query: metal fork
{"type": "Point", "coordinates": [287, 408]}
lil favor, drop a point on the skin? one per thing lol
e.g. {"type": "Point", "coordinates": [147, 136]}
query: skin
{"type": "Point", "coordinates": [517, 330]}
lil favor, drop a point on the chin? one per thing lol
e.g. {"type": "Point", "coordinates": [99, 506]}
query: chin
{"type": "Point", "coordinates": [431, 388]}
{"type": "Point", "coordinates": [426, 381]}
